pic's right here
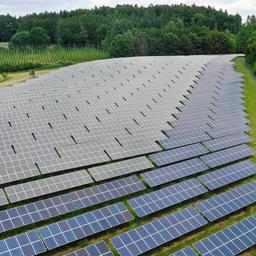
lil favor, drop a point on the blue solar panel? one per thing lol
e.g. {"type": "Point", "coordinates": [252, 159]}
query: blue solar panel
{"type": "Point", "coordinates": [227, 155]}
{"type": "Point", "coordinates": [149, 236]}
{"type": "Point", "coordinates": [166, 197]}
{"type": "Point", "coordinates": [228, 202]}
{"type": "Point", "coordinates": [227, 141]}
{"type": "Point", "coordinates": [188, 251]}
{"type": "Point", "coordinates": [174, 172]}
{"type": "Point", "coordinates": [216, 133]}
{"type": "Point", "coordinates": [230, 241]}
{"type": "Point", "coordinates": [98, 249]}
{"type": "Point", "coordinates": [229, 174]}
{"type": "Point", "coordinates": [186, 140]}
{"type": "Point", "coordinates": [44, 209]}
{"type": "Point", "coordinates": [27, 244]}
{"type": "Point", "coordinates": [178, 154]}
{"type": "Point", "coordinates": [84, 225]}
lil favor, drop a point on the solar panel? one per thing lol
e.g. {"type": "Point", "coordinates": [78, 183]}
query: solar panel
{"type": "Point", "coordinates": [226, 142]}
{"type": "Point", "coordinates": [178, 154]}
{"type": "Point", "coordinates": [230, 241]}
{"type": "Point", "coordinates": [56, 206]}
{"type": "Point", "coordinates": [227, 175]}
{"type": "Point", "coordinates": [186, 140]}
{"type": "Point", "coordinates": [84, 225]}
{"type": "Point", "coordinates": [24, 244]}
{"type": "Point", "coordinates": [3, 199]}
{"type": "Point", "coordinates": [46, 186]}
{"type": "Point", "coordinates": [120, 168]}
{"type": "Point", "coordinates": [188, 251]}
{"type": "Point", "coordinates": [216, 133]}
{"type": "Point", "coordinates": [151, 235]}
{"type": "Point", "coordinates": [227, 155]}
{"type": "Point", "coordinates": [98, 249]}
{"type": "Point", "coordinates": [174, 172]}
{"type": "Point", "coordinates": [228, 202]}
{"type": "Point", "coordinates": [166, 197]}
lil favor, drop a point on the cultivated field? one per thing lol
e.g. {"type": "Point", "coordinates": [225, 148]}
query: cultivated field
{"type": "Point", "coordinates": [24, 59]}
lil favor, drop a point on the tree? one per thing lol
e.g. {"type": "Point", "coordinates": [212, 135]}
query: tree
{"type": "Point", "coordinates": [8, 27]}
{"type": "Point", "coordinates": [20, 39]}
{"type": "Point", "coordinates": [171, 44]}
{"type": "Point", "coordinates": [38, 37]}
{"type": "Point", "coordinates": [221, 43]}
{"type": "Point", "coordinates": [102, 31]}
{"type": "Point", "coordinates": [141, 45]}
{"type": "Point", "coordinates": [122, 46]}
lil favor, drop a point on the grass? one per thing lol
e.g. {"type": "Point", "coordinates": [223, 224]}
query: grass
{"type": "Point", "coordinates": [4, 45]}
{"type": "Point", "coordinates": [250, 97]}
{"type": "Point", "coordinates": [17, 77]}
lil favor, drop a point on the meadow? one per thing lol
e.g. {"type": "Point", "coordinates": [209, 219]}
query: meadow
{"type": "Point", "coordinates": [12, 60]}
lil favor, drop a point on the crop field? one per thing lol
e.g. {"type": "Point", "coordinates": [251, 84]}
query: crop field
{"type": "Point", "coordinates": [132, 156]}
{"type": "Point", "coordinates": [24, 59]}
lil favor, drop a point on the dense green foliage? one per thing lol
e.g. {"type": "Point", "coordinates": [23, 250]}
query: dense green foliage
{"type": "Point", "coordinates": [24, 59]}
{"type": "Point", "coordinates": [246, 41]}
{"type": "Point", "coordinates": [36, 37]}
{"type": "Point", "coordinates": [127, 30]}
{"type": "Point", "coordinates": [153, 30]}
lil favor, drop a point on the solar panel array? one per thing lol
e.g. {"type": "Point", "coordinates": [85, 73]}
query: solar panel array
{"type": "Point", "coordinates": [24, 244]}
{"type": "Point", "coordinates": [98, 249]}
{"type": "Point", "coordinates": [59, 205]}
{"type": "Point", "coordinates": [184, 139]}
{"type": "Point", "coordinates": [227, 155]}
{"type": "Point", "coordinates": [228, 202]}
{"type": "Point", "coordinates": [149, 236]}
{"type": "Point", "coordinates": [120, 168]}
{"type": "Point", "coordinates": [151, 126]}
{"type": "Point", "coordinates": [166, 197]}
{"type": "Point", "coordinates": [178, 154]}
{"type": "Point", "coordinates": [230, 241]}
{"type": "Point", "coordinates": [81, 226]}
{"type": "Point", "coordinates": [227, 141]}
{"type": "Point", "coordinates": [46, 186]}
{"type": "Point", "coordinates": [174, 172]}
{"type": "Point", "coordinates": [3, 199]}
{"type": "Point", "coordinates": [188, 251]}
{"type": "Point", "coordinates": [229, 174]}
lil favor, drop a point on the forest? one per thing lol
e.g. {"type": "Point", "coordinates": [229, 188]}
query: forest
{"type": "Point", "coordinates": [128, 30]}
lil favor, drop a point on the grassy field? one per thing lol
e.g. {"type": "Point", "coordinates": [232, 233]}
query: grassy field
{"type": "Point", "coordinates": [18, 60]}
{"type": "Point", "coordinates": [17, 77]}
{"type": "Point", "coordinates": [250, 96]}
{"type": "Point", "coordinates": [4, 45]}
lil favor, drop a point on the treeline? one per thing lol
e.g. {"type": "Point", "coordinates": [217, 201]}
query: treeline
{"type": "Point", "coordinates": [246, 41]}
{"type": "Point", "coordinates": [128, 30]}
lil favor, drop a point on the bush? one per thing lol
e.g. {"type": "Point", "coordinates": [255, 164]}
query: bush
{"type": "Point", "coordinates": [122, 46]}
